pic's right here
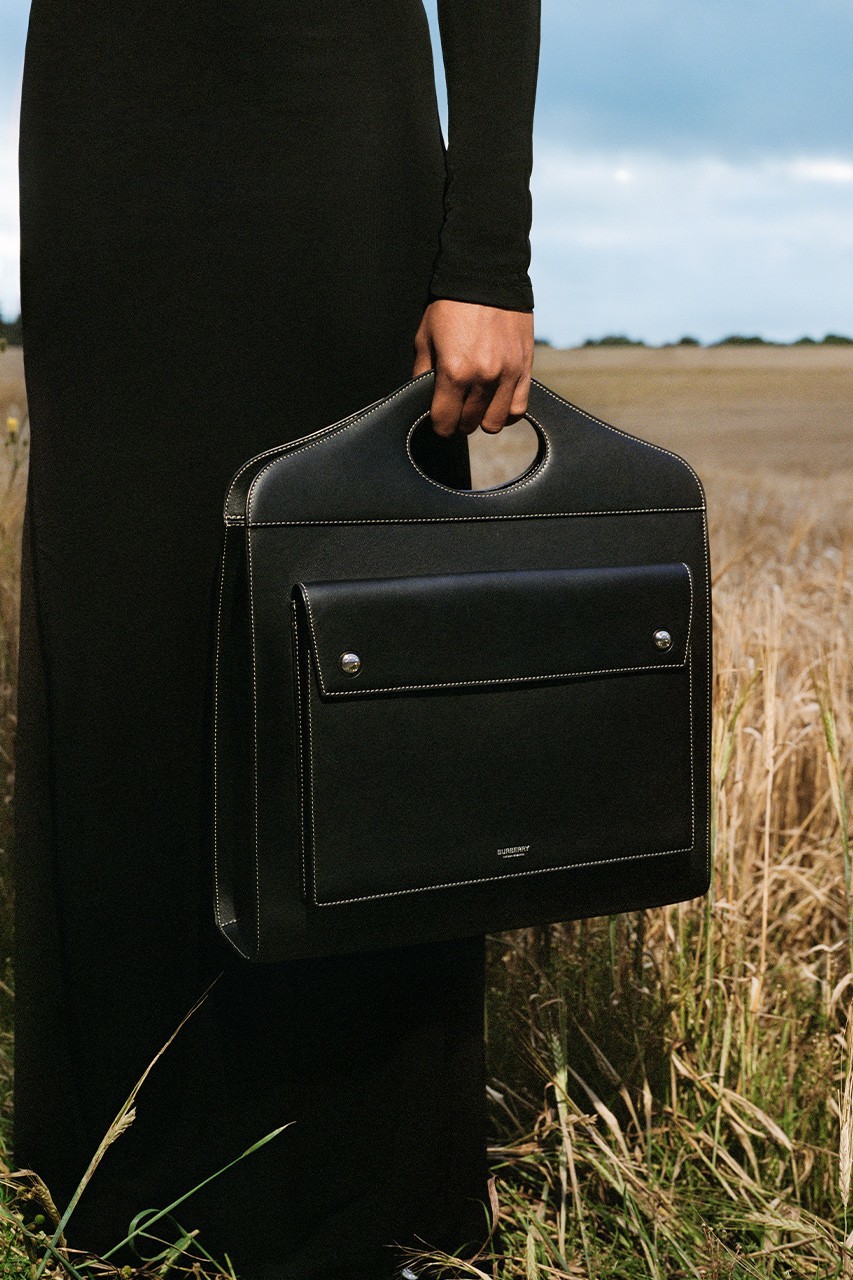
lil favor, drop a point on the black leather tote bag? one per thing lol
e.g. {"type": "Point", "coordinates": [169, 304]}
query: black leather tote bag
{"type": "Point", "coordinates": [441, 712]}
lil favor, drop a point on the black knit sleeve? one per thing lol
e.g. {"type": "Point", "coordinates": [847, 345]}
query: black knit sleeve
{"type": "Point", "coordinates": [491, 58]}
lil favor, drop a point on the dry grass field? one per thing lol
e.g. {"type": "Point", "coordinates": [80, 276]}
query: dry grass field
{"type": "Point", "coordinates": [672, 1091]}
{"type": "Point", "coordinates": [752, 410]}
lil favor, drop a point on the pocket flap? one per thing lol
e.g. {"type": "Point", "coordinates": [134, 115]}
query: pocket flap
{"type": "Point", "coordinates": [495, 628]}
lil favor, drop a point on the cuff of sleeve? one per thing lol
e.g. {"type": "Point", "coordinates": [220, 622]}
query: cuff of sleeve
{"type": "Point", "coordinates": [510, 295]}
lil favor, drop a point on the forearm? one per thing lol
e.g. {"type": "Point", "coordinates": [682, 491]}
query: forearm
{"type": "Point", "coordinates": [491, 53]}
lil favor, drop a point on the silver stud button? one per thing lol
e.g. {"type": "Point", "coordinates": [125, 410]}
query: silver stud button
{"type": "Point", "coordinates": [350, 663]}
{"type": "Point", "coordinates": [663, 639]}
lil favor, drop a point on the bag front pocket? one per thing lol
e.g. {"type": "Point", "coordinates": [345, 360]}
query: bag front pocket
{"type": "Point", "coordinates": [462, 728]}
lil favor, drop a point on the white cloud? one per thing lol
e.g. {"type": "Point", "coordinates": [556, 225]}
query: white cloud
{"type": "Point", "coordinates": [703, 245]}
{"type": "Point", "coordinates": [822, 170]}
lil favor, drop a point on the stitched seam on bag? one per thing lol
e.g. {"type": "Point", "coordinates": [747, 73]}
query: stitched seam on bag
{"type": "Point", "coordinates": [688, 661]}
{"type": "Point", "coordinates": [512, 486]}
{"type": "Point", "coordinates": [625, 434]}
{"type": "Point", "coordinates": [512, 875]}
{"type": "Point", "coordinates": [488, 880]}
{"type": "Point", "coordinates": [222, 924]}
{"type": "Point", "coordinates": [298, 683]}
{"type": "Point", "coordinates": [691, 753]}
{"type": "Point", "coordinates": [255, 811]}
{"type": "Point", "coordinates": [216, 666]}
{"type": "Point", "coordinates": [311, 786]}
{"type": "Point", "coordinates": [493, 680]}
{"type": "Point", "coordinates": [458, 684]}
{"type": "Point", "coordinates": [515, 875]}
{"type": "Point", "coordinates": [335, 429]}
{"type": "Point", "coordinates": [326, 433]}
{"type": "Point", "coordinates": [709, 624]}
{"type": "Point", "coordinates": [688, 657]}
{"type": "Point", "coordinates": [527, 515]}
{"type": "Point", "coordinates": [215, 730]}
{"type": "Point", "coordinates": [690, 615]}
{"type": "Point", "coordinates": [282, 448]}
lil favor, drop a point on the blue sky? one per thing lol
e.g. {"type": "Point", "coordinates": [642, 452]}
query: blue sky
{"type": "Point", "coordinates": [693, 167]}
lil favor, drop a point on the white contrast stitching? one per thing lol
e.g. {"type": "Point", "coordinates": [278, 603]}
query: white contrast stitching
{"type": "Point", "coordinates": [511, 487]}
{"type": "Point", "coordinates": [689, 660]}
{"type": "Point", "coordinates": [492, 680]}
{"type": "Point", "coordinates": [316, 438]}
{"type": "Point", "coordinates": [218, 906]}
{"type": "Point", "coordinates": [452, 884]}
{"type": "Point", "coordinates": [282, 448]}
{"type": "Point", "coordinates": [690, 615]}
{"type": "Point", "coordinates": [255, 814]}
{"type": "Point", "coordinates": [298, 682]}
{"type": "Point", "coordinates": [222, 924]}
{"type": "Point", "coordinates": [458, 684]}
{"type": "Point", "coordinates": [313, 635]}
{"type": "Point", "coordinates": [690, 754]}
{"type": "Point", "coordinates": [710, 693]}
{"type": "Point", "coordinates": [326, 433]}
{"type": "Point", "coordinates": [311, 792]}
{"type": "Point", "coordinates": [625, 434]}
{"type": "Point", "coordinates": [511, 875]}
{"type": "Point", "coordinates": [521, 515]}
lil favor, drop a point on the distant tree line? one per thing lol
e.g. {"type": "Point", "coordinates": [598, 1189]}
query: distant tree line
{"type": "Point", "coordinates": [733, 340]}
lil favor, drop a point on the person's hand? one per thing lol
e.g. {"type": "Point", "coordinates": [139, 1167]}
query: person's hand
{"type": "Point", "coordinates": [482, 356]}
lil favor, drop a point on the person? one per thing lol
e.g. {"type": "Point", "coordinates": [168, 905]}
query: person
{"type": "Point", "coordinates": [238, 224]}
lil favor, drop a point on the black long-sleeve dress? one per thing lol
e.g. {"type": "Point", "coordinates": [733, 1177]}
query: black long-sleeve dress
{"type": "Point", "coordinates": [232, 220]}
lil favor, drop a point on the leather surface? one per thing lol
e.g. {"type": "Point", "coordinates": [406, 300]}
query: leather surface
{"type": "Point", "coordinates": [508, 780]}
{"type": "Point", "coordinates": [486, 628]}
{"type": "Point", "coordinates": [569, 569]}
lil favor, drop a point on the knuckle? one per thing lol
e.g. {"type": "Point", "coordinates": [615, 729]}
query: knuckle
{"type": "Point", "coordinates": [456, 371]}
{"type": "Point", "coordinates": [489, 371]}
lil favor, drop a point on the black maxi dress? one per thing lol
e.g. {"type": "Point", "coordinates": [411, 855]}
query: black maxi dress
{"type": "Point", "coordinates": [232, 219]}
